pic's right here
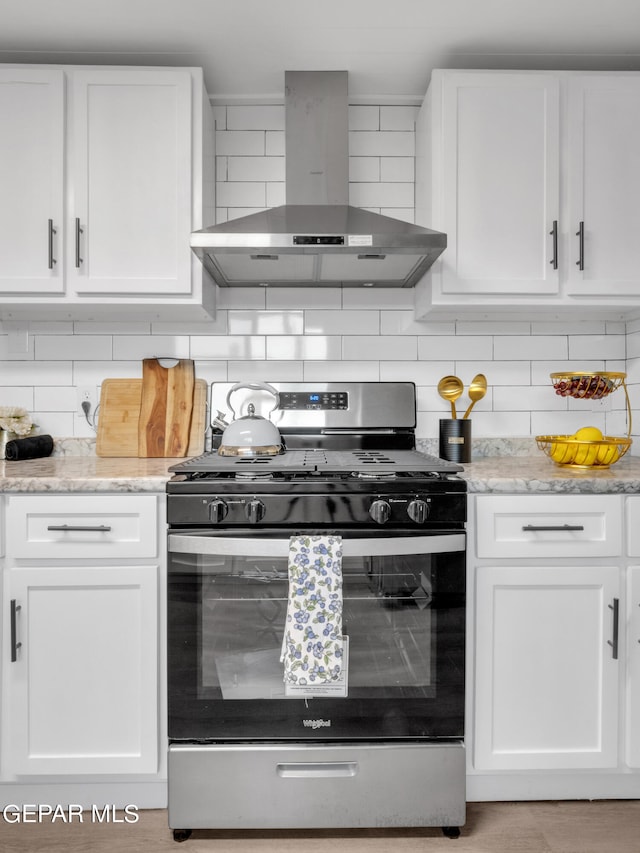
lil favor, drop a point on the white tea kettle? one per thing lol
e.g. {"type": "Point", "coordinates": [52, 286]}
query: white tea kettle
{"type": "Point", "coordinates": [250, 435]}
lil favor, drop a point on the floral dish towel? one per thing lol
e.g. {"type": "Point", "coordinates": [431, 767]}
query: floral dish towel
{"type": "Point", "coordinates": [312, 644]}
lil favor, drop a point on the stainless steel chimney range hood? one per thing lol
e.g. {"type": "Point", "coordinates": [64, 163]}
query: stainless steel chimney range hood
{"type": "Point", "coordinates": [317, 238]}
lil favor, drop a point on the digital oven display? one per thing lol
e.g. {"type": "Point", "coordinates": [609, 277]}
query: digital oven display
{"type": "Point", "coordinates": [303, 401]}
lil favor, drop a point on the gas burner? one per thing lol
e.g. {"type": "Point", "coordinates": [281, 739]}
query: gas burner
{"type": "Point", "coordinates": [253, 475]}
{"type": "Point", "coordinates": [374, 475]}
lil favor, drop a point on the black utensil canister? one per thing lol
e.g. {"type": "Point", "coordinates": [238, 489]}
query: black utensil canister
{"type": "Point", "coordinates": [455, 440]}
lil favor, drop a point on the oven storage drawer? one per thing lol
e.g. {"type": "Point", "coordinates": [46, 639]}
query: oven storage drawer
{"type": "Point", "coordinates": [67, 526]}
{"type": "Point", "coordinates": [548, 526]}
{"type": "Point", "coordinates": [254, 786]}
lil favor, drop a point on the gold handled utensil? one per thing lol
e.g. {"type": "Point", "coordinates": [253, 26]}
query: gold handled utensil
{"type": "Point", "coordinates": [450, 388]}
{"type": "Point", "coordinates": [477, 390]}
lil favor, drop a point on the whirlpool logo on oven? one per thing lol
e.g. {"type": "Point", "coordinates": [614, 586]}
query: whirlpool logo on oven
{"type": "Point", "coordinates": [316, 724]}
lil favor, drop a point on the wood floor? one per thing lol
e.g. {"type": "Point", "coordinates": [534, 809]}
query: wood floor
{"type": "Point", "coordinates": [609, 826]}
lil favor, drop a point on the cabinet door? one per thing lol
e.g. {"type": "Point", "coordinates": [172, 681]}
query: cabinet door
{"type": "Point", "coordinates": [83, 690]}
{"type": "Point", "coordinates": [604, 184]}
{"type": "Point", "coordinates": [500, 150]}
{"type": "Point", "coordinates": [31, 180]}
{"type": "Point", "coordinates": [130, 182]}
{"type": "Point", "coordinates": [633, 669]}
{"type": "Point", "coordinates": [546, 678]}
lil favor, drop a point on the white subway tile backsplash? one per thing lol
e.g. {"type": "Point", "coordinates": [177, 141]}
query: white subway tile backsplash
{"type": "Point", "coordinates": [527, 398]}
{"type": "Point", "coordinates": [387, 348]}
{"type": "Point", "coordinates": [55, 398]}
{"type": "Point", "coordinates": [10, 395]}
{"type": "Point", "coordinates": [218, 326]}
{"type": "Point", "coordinates": [229, 347]}
{"type": "Point", "coordinates": [341, 371]}
{"type": "Point", "coordinates": [607, 346]}
{"type": "Point", "coordinates": [364, 169]}
{"type": "Point", "coordinates": [240, 142]}
{"type": "Point", "coordinates": [303, 297]}
{"type": "Point", "coordinates": [404, 323]}
{"type": "Point", "coordinates": [341, 322]}
{"type": "Point", "coordinates": [398, 117]}
{"type": "Point", "coordinates": [381, 195]}
{"type": "Point", "coordinates": [37, 373]}
{"type": "Point", "coordinates": [242, 194]}
{"type": "Point", "coordinates": [406, 214]}
{"type": "Point", "coordinates": [397, 169]}
{"type": "Point", "coordinates": [255, 117]}
{"type": "Point", "coordinates": [534, 347]}
{"type": "Point", "coordinates": [265, 322]}
{"type": "Point", "coordinates": [421, 373]}
{"type": "Point", "coordinates": [452, 347]}
{"type": "Point", "coordinates": [381, 144]}
{"type": "Point", "coordinates": [71, 347]}
{"type": "Point", "coordinates": [276, 194]}
{"type": "Point", "coordinates": [265, 371]}
{"type": "Point", "coordinates": [302, 347]}
{"type": "Point", "coordinates": [364, 117]}
{"type": "Point", "coordinates": [241, 297]}
{"type": "Point", "coordinates": [255, 169]}
{"type": "Point", "coordinates": [126, 348]}
{"type": "Point", "coordinates": [389, 298]}
{"type": "Point", "coordinates": [274, 143]}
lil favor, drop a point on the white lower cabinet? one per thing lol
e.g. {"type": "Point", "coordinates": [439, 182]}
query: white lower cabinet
{"type": "Point", "coordinates": [83, 670]}
{"type": "Point", "coordinates": [553, 652]}
{"type": "Point", "coordinates": [546, 670]}
{"type": "Point", "coordinates": [83, 663]}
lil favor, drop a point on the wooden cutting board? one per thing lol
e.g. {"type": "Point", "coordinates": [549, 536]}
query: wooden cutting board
{"type": "Point", "coordinates": [119, 417]}
{"type": "Point", "coordinates": [165, 408]}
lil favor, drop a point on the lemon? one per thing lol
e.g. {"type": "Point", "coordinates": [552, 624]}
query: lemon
{"type": "Point", "coordinates": [607, 453]}
{"type": "Point", "coordinates": [588, 433]}
{"type": "Point", "coordinates": [586, 455]}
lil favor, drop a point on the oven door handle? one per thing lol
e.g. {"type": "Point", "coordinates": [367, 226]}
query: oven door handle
{"type": "Point", "coordinates": [257, 546]}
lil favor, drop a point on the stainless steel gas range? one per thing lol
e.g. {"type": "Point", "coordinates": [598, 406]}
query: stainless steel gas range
{"type": "Point", "coordinates": [379, 740]}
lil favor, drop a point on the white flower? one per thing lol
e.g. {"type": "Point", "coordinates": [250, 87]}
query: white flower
{"type": "Point", "coordinates": [15, 419]}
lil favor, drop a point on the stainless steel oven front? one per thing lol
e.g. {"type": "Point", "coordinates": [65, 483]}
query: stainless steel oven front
{"type": "Point", "coordinates": [382, 747]}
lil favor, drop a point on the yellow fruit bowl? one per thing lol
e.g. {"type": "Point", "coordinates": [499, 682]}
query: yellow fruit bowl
{"type": "Point", "coordinates": [569, 451]}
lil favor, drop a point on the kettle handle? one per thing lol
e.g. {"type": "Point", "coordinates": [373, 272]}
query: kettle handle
{"type": "Point", "coordinates": [255, 386]}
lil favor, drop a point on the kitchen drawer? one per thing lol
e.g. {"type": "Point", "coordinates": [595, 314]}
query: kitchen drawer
{"type": "Point", "coordinates": [80, 526]}
{"type": "Point", "coordinates": [532, 526]}
{"type": "Point", "coordinates": [633, 526]}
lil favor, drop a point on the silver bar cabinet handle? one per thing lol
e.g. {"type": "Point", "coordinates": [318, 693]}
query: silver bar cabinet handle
{"type": "Point", "coordinates": [100, 528]}
{"type": "Point", "coordinates": [567, 527]}
{"type": "Point", "coordinates": [15, 645]}
{"type": "Point", "coordinates": [613, 642]}
{"type": "Point", "coordinates": [52, 231]}
{"type": "Point", "coordinates": [554, 234]}
{"type": "Point", "coordinates": [79, 231]}
{"type": "Point", "coordinates": [580, 236]}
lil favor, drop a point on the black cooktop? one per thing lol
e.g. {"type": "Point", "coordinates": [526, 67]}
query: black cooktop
{"type": "Point", "coordinates": [310, 461]}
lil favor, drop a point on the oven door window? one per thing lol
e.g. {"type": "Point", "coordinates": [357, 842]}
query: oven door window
{"type": "Point", "coordinates": [403, 625]}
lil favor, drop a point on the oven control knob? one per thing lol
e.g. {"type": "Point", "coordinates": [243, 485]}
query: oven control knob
{"type": "Point", "coordinates": [254, 510]}
{"type": "Point", "coordinates": [217, 511]}
{"type": "Point", "coordinates": [380, 511]}
{"type": "Point", "coordinates": [418, 511]}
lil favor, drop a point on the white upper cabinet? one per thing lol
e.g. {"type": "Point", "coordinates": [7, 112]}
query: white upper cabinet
{"type": "Point", "coordinates": [499, 140]}
{"type": "Point", "coordinates": [512, 165]}
{"type": "Point", "coordinates": [31, 180]}
{"type": "Point", "coordinates": [603, 172]}
{"type": "Point", "coordinates": [122, 195]}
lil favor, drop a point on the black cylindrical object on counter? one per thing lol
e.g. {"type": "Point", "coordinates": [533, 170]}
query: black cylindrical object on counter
{"type": "Point", "coordinates": [455, 440]}
{"type": "Point", "coordinates": [34, 447]}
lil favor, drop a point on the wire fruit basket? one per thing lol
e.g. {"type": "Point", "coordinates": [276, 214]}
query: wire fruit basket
{"type": "Point", "coordinates": [567, 450]}
{"type": "Point", "coordinates": [570, 451]}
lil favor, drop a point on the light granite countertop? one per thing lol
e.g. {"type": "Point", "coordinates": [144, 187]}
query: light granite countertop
{"type": "Point", "coordinates": [69, 473]}
{"type": "Point", "coordinates": [501, 474]}
{"type": "Point", "coordinates": [539, 475]}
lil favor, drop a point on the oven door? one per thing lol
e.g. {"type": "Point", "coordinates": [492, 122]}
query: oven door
{"type": "Point", "coordinates": [403, 621]}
